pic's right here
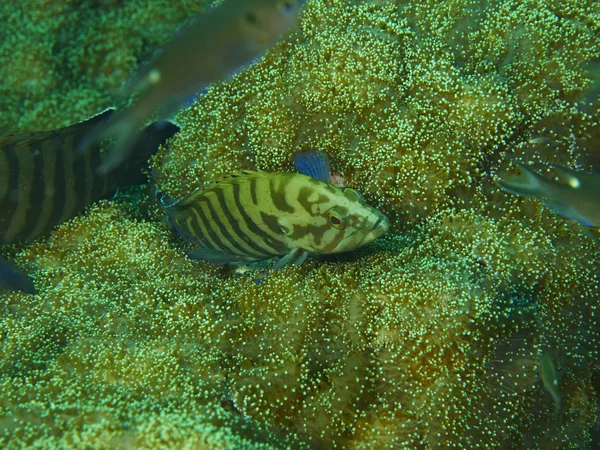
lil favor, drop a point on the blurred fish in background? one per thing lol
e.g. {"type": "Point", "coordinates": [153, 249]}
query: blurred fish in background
{"type": "Point", "coordinates": [574, 194]}
{"type": "Point", "coordinates": [213, 46]}
{"type": "Point", "coordinates": [44, 181]}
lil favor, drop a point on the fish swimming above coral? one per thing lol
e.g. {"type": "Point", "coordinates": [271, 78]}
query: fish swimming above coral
{"type": "Point", "coordinates": [213, 46]}
{"type": "Point", "coordinates": [574, 194]}
{"type": "Point", "coordinates": [44, 181]}
{"type": "Point", "coordinates": [252, 216]}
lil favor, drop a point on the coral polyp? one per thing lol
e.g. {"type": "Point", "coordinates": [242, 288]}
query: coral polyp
{"type": "Point", "coordinates": [431, 337]}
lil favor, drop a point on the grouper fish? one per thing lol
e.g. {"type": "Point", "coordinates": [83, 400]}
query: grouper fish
{"type": "Point", "coordinates": [575, 194]}
{"type": "Point", "coordinates": [251, 216]}
{"type": "Point", "coordinates": [44, 181]}
{"type": "Point", "coordinates": [213, 46]}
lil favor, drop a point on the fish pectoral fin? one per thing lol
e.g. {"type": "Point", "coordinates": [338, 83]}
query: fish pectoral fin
{"type": "Point", "coordinates": [313, 163]}
{"type": "Point", "coordinates": [14, 279]}
{"type": "Point", "coordinates": [295, 257]}
{"type": "Point", "coordinates": [216, 256]}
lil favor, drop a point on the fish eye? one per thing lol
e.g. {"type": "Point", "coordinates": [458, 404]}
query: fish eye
{"type": "Point", "coordinates": [336, 219]}
{"type": "Point", "coordinates": [285, 7]}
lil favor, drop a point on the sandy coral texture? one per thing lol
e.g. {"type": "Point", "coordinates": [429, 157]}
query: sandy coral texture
{"type": "Point", "coordinates": [429, 338]}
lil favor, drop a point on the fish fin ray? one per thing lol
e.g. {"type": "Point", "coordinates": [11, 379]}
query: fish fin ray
{"type": "Point", "coordinates": [295, 257]}
{"type": "Point", "coordinates": [313, 163]}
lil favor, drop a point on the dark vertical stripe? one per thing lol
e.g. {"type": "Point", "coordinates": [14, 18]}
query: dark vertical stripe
{"type": "Point", "coordinates": [253, 194]}
{"type": "Point", "coordinates": [59, 191]}
{"type": "Point", "coordinates": [303, 195]}
{"type": "Point", "coordinates": [10, 200]}
{"type": "Point", "coordinates": [193, 224]}
{"type": "Point", "coordinates": [276, 247]}
{"type": "Point", "coordinates": [278, 197]}
{"type": "Point", "coordinates": [210, 234]}
{"type": "Point", "coordinates": [233, 222]}
{"type": "Point", "coordinates": [23, 206]}
{"type": "Point", "coordinates": [4, 174]}
{"type": "Point", "coordinates": [47, 199]}
{"type": "Point", "coordinates": [271, 222]}
{"type": "Point", "coordinates": [216, 214]}
{"type": "Point", "coordinates": [36, 195]}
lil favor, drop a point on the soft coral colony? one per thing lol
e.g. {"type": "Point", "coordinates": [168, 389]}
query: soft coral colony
{"type": "Point", "coordinates": [429, 339]}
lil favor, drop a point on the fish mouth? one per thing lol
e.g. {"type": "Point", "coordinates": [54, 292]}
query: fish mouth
{"type": "Point", "coordinates": [376, 230]}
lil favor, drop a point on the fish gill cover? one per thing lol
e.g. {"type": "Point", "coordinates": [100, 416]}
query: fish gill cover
{"type": "Point", "coordinates": [429, 339]}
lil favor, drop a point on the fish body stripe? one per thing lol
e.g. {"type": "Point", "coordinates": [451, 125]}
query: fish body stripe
{"type": "Point", "coordinates": [277, 191]}
{"type": "Point", "coordinates": [18, 196]}
{"type": "Point", "coordinates": [207, 233]}
{"type": "Point", "coordinates": [218, 217]}
{"type": "Point", "coordinates": [29, 193]}
{"type": "Point", "coordinates": [4, 178]}
{"type": "Point", "coordinates": [46, 196]}
{"type": "Point", "coordinates": [228, 207]}
{"type": "Point", "coordinates": [193, 222]}
{"type": "Point", "coordinates": [272, 246]}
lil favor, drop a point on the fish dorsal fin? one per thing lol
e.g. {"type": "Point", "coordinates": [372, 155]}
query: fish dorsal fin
{"type": "Point", "coordinates": [78, 129]}
{"type": "Point", "coordinates": [235, 178]}
{"type": "Point", "coordinates": [313, 163]}
{"type": "Point", "coordinates": [241, 177]}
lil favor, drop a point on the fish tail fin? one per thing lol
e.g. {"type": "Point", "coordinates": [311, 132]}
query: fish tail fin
{"type": "Point", "coordinates": [123, 128]}
{"type": "Point", "coordinates": [130, 169]}
{"type": "Point", "coordinates": [14, 279]}
{"type": "Point", "coordinates": [527, 183]}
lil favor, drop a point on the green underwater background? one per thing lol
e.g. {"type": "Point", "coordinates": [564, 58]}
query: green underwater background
{"type": "Point", "coordinates": [429, 338]}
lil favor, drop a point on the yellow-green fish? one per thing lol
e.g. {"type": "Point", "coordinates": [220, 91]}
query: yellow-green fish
{"type": "Point", "coordinates": [251, 216]}
{"type": "Point", "coordinates": [575, 194]}
{"type": "Point", "coordinates": [45, 181]}
{"type": "Point", "coordinates": [214, 45]}
{"type": "Point", "coordinates": [549, 377]}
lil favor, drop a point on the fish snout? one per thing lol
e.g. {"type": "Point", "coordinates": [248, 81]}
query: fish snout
{"type": "Point", "coordinates": [377, 225]}
{"type": "Point", "coordinates": [380, 227]}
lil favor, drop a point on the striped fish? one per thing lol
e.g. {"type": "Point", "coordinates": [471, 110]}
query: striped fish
{"type": "Point", "coordinates": [44, 181]}
{"type": "Point", "coordinates": [252, 216]}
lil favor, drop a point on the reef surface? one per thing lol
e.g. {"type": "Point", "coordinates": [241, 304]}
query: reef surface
{"type": "Point", "coordinates": [429, 338]}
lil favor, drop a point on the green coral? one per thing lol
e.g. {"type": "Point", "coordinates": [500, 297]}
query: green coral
{"type": "Point", "coordinates": [53, 50]}
{"type": "Point", "coordinates": [429, 338]}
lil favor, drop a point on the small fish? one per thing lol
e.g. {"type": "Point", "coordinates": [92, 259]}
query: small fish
{"type": "Point", "coordinates": [213, 46]}
{"type": "Point", "coordinates": [575, 195]}
{"type": "Point", "coordinates": [549, 377]}
{"type": "Point", "coordinates": [252, 216]}
{"type": "Point", "coordinates": [45, 181]}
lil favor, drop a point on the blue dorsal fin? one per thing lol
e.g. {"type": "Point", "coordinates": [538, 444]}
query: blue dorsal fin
{"type": "Point", "coordinates": [313, 163]}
